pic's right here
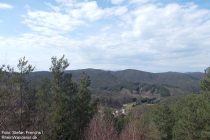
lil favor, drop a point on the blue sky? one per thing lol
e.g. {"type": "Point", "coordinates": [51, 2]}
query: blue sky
{"type": "Point", "coordinates": [149, 35]}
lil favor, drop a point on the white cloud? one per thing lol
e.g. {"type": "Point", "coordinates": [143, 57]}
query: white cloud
{"type": "Point", "coordinates": [88, 11]}
{"type": "Point", "coordinates": [120, 11]}
{"type": "Point", "coordinates": [5, 6]}
{"type": "Point", "coordinates": [62, 19]}
{"type": "Point", "coordinates": [140, 1]}
{"type": "Point", "coordinates": [50, 22]}
{"type": "Point", "coordinates": [117, 1]}
{"type": "Point", "coordinates": [67, 17]}
{"type": "Point", "coordinates": [142, 35]}
{"type": "Point", "coordinates": [38, 49]}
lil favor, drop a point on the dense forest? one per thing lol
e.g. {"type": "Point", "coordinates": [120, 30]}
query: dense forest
{"type": "Point", "coordinates": [67, 109]}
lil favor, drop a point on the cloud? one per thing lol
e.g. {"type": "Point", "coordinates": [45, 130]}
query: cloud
{"type": "Point", "coordinates": [140, 1]}
{"type": "Point", "coordinates": [68, 15]}
{"type": "Point", "coordinates": [139, 34]}
{"type": "Point", "coordinates": [5, 6]}
{"type": "Point", "coordinates": [63, 19]}
{"type": "Point", "coordinates": [117, 1]}
{"type": "Point", "coordinates": [38, 49]}
{"type": "Point", "coordinates": [50, 22]}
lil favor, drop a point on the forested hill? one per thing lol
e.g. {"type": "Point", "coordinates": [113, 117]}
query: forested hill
{"type": "Point", "coordinates": [131, 79]}
{"type": "Point", "coordinates": [115, 105]}
{"type": "Point", "coordinates": [100, 78]}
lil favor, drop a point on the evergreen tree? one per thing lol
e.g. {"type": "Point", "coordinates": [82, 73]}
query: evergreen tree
{"type": "Point", "coordinates": [84, 108]}
{"type": "Point", "coordinates": [61, 106]}
{"type": "Point", "coordinates": [192, 118]}
{"type": "Point", "coordinates": [205, 83]}
{"type": "Point", "coordinates": [27, 96]}
{"type": "Point", "coordinates": [58, 106]}
{"type": "Point", "coordinates": [43, 105]}
{"type": "Point", "coordinates": [71, 108]}
{"type": "Point", "coordinates": [164, 120]}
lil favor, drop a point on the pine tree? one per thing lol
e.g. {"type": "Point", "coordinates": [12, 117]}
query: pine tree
{"type": "Point", "coordinates": [43, 105]}
{"type": "Point", "coordinates": [205, 83]}
{"type": "Point", "coordinates": [63, 92]}
{"type": "Point", "coordinates": [164, 120]}
{"type": "Point", "coordinates": [84, 108]}
{"type": "Point", "coordinates": [27, 95]}
{"type": "Point", "coordinates": [192, 118]}
{"type": "Point", "coordinates": [71, 108]}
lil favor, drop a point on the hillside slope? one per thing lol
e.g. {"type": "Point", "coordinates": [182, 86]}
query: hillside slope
{"type": "Point", "coordinates": [100, 79]}
{"type": "Point", "coordinates": [114, 88]}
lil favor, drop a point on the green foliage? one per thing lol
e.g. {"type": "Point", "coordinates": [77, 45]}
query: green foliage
{"type": "Point", "coordinates": [23, 66]}
{"type": "Point", "coordinates": [164, 92]}
{"type": "Point", "coordinates": [120, 122]}
{"type": "Point", "coordinates": [17, 96]}
{"type": "Point", "coordinates": [205, 83]}
{"type": "Point", "coordinates": [84, 109]}
{"type": "Point", "coordinates": [164, 120]}
{"type": "Point", "coordinates": [27, 96]}
{"type": "Point", "coordinates": [192, 118]}
{"type": "Point", "coordinates": [187, 119]}
{"type": "Point", "coordinates": [148, 100]}
{"type": "Point", "coordinates": [43, 105]}
{"type": "Point", "coordinates": [71, 108]}
{"type": "Point", "coordinates": [62, 107]}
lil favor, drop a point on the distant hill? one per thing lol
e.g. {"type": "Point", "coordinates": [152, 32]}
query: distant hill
{"type": "Point", "coordinates": [134, 83]}
{"type": "Point", "coordinates": [101, 78]}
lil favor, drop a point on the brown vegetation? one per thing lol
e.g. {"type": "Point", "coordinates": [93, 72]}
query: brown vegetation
{"type": "Point", "coordinates": [100, 128]}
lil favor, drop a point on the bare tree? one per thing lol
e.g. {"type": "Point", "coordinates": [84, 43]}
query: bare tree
{"type": "Point", "coordinates": [139, 127]}
{"type": "Point", "coordinates": [100, 128]}
{"type": "Point", "coordinates": [133, 131]}
{"type": "Point", "coordinates": [8, 99]}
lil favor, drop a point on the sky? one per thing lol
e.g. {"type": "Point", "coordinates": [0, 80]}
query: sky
{"type": "Point", "coordinates": [148, 35]}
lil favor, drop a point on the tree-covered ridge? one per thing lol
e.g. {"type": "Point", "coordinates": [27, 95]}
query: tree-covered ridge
{"type": "Point", "coordinates": [66, 109]}
{"type": "Point", "coordinates": [101, 79]}
{"type": "Point", "coordinates": [115, 88]}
